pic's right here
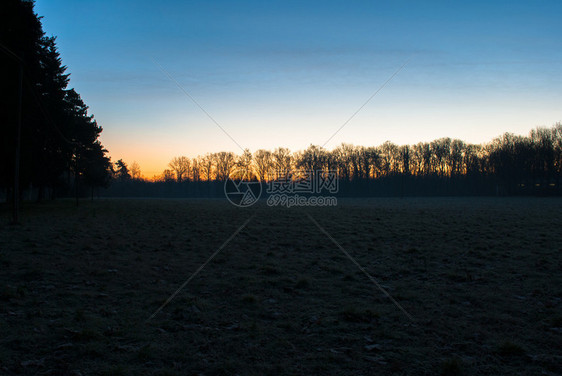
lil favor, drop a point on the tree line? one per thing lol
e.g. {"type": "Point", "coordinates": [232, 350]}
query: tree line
{"type": "Point", "coordinates": [49, 140]}
{"type": "Point", "coordinates": [509, 164]}
{"type": "Point", "coordinates": [50, 143]}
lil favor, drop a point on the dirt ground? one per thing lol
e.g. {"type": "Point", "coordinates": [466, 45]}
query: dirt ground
{"type": "Point", "coordinates": [481, 279]}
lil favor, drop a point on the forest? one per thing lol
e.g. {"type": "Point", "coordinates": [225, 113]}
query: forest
{"type": "Point", "coordinates": [508, 165]}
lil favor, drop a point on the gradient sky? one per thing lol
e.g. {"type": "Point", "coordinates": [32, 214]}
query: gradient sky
{"type": "Point", "coordinates": [290, 73]}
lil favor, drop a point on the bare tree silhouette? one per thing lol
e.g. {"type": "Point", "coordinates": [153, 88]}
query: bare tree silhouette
{"type": "Point", "coordinates": [180, 166]}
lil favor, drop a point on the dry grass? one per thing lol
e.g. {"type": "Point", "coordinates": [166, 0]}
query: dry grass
{"type": "Point", "coordinates": [481, 277]}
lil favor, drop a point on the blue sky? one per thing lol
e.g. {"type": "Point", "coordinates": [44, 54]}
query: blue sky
{"type": "Point", "coordinates": [290, 73]}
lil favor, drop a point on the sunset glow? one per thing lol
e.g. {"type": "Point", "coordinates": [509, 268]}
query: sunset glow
{"type": "Point", "coordinates": [287, 75]}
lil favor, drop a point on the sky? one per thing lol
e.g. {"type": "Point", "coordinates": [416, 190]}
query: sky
{"type": "Point", "coordinates": [291, 73]}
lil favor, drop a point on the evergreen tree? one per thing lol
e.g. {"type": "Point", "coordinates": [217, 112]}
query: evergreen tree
{"type": "Point", "coordinates": [59, 140]}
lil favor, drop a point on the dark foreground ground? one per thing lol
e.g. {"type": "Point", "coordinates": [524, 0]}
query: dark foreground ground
{"type": "Point", "coordinates": [481, 278]}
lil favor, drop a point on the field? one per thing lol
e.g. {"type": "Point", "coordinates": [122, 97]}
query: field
{"type": "Point", "coordinates": [481, 279]}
